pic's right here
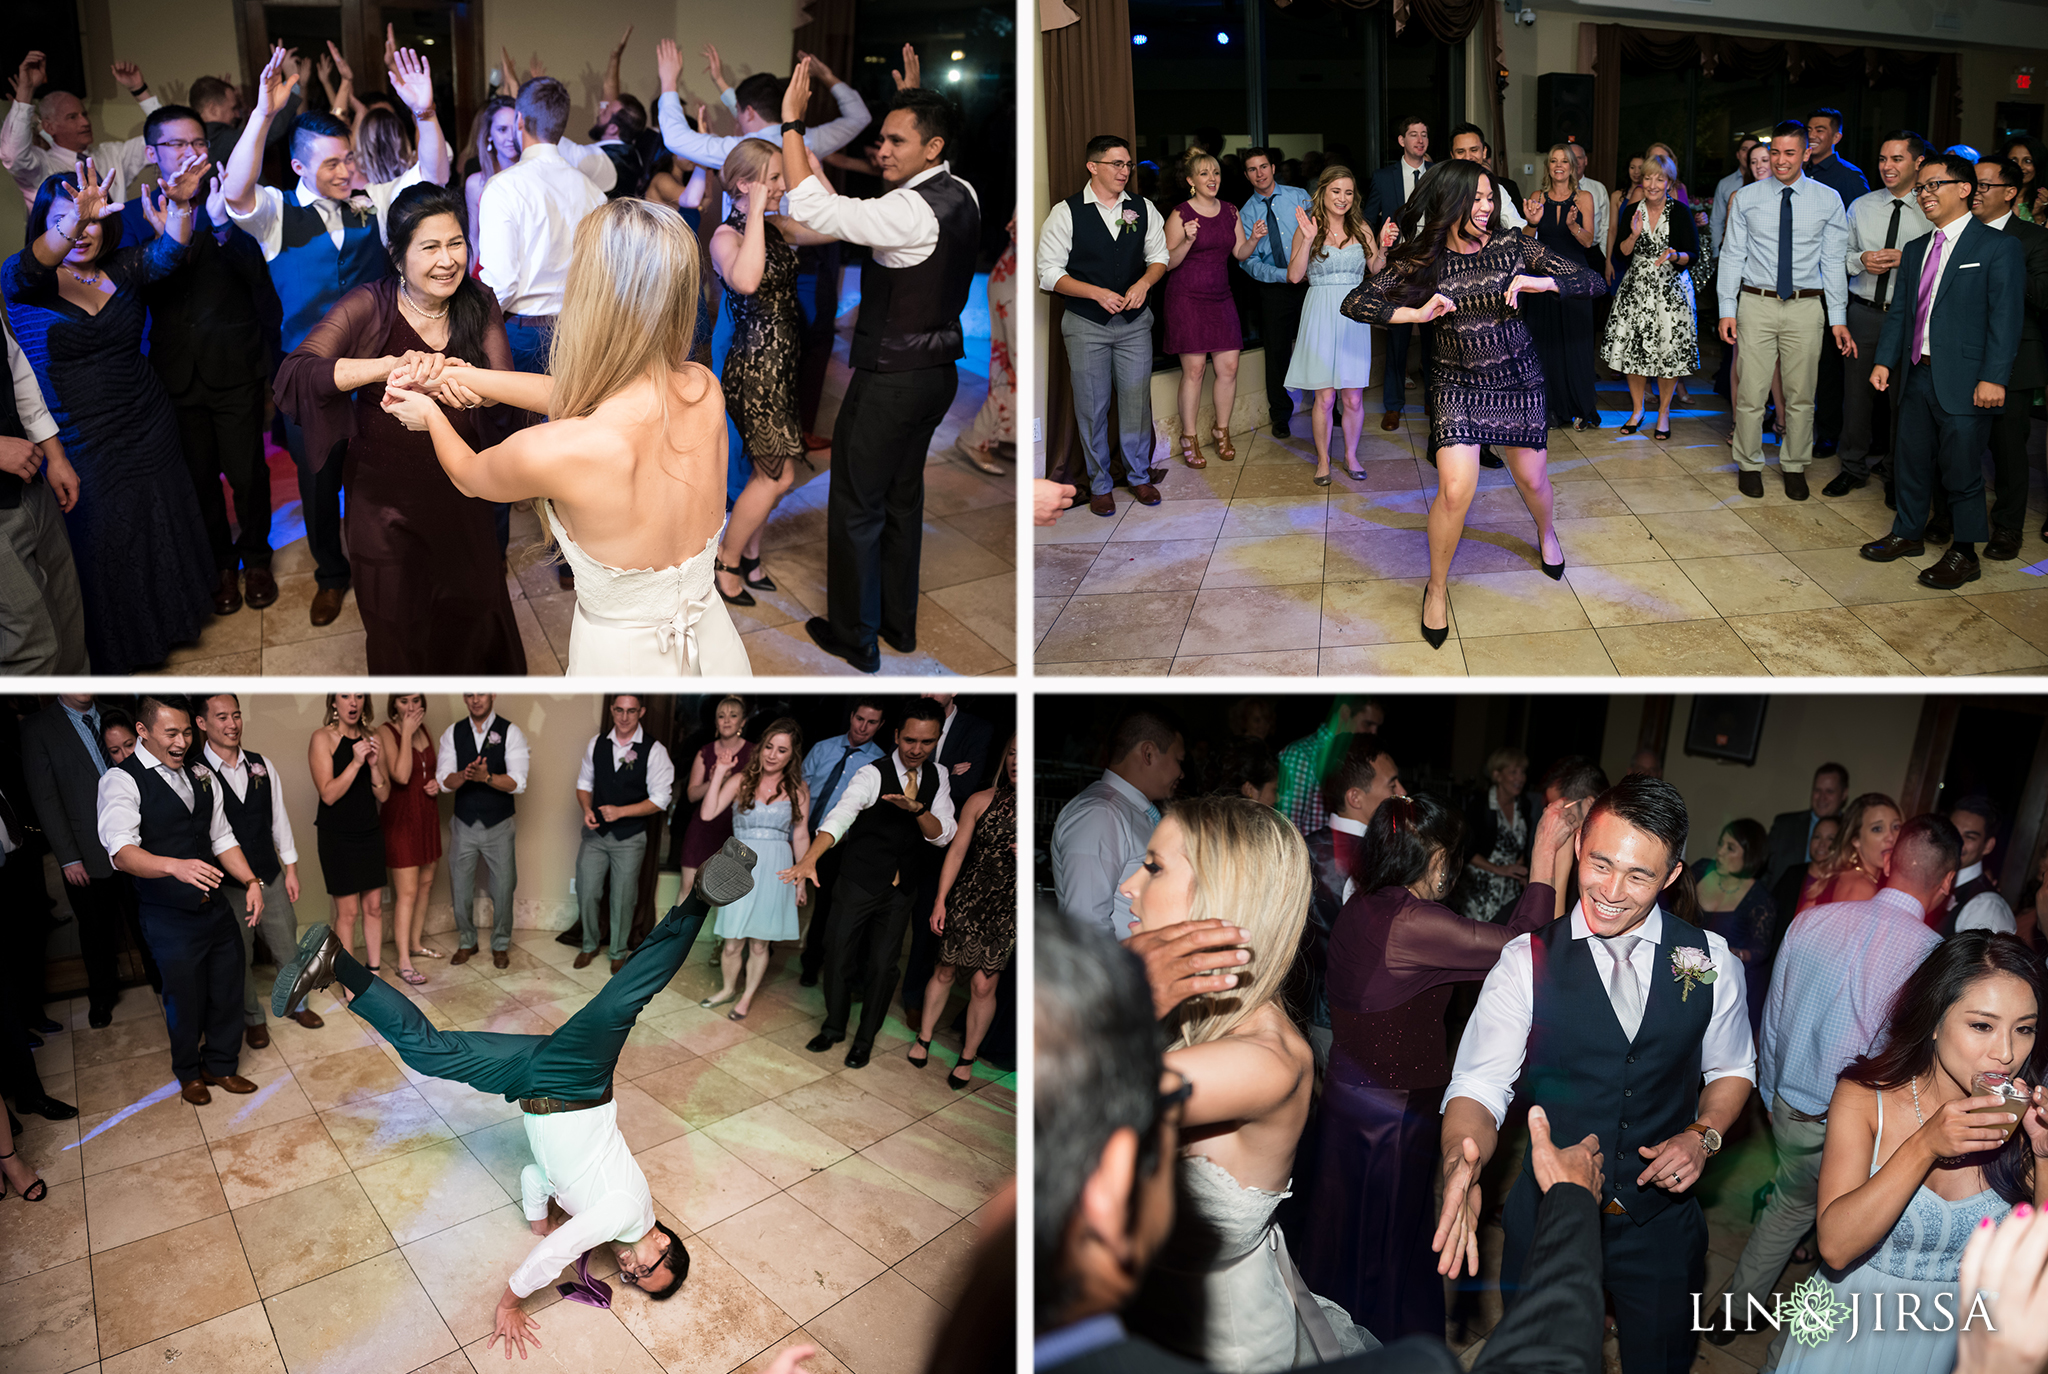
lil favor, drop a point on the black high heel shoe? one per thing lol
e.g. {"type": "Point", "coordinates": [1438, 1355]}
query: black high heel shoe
{"type": "Point", "coordinates": [1631, 427]}
{"type": "Point", "coordinates": [748, 570]}
{"type": "Point", "coordinates": [744, 598]}
{"type": "Point", "coordinates": [1435, 638]}
{"type": "Point", "coordinates": [961, 1084]}
{"type": "Point", "coordinates": [39, 1190]}
{"type": "Point", "coordinates": [1660, 434]}
{"type": "Point", "coordinates": [1553, 571]}
{"type": "Point", "coordinates": [926, 1046]}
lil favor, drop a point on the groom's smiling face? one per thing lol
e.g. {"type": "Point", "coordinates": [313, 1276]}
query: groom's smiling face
{"type": "Point", "coordinates": [1622, 869]}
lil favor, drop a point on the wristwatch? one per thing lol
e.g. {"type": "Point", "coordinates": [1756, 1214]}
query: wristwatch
{"type": "Point", "coordinates": [796, 124]}
{"type": "Point", "coordinates": [1709, 1137]}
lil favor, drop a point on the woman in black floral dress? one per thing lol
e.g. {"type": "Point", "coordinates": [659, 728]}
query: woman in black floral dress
{"type": "Point", "coordinates": [1488, 386]}
{"type": "Point", "coordinates": [976, 916]}
{"type": "Point", "coordinates": [752, 253]}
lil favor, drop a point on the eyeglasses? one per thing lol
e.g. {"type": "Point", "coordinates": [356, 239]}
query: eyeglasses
{"type": "Point", "coordinates": [1117, 166]}
{"type": "Point", "coordinates": [1924, 187]}
{"type": "Point", "coordinates": [184, 145]}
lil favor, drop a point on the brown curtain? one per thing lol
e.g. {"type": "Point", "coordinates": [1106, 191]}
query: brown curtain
{"type": "Point", "coordinates": [829, 35]}
{"type": "Point", "coordinates": [1497, 62]}
{"type": "Point", "coordinates": [1606, 144]}
{"type": "Point", "coordinates": [1658, 50]}
{"type": "Point", "coordinates": [1088, 92]}
{"type": "Point", "coordinates": [1448, 21]}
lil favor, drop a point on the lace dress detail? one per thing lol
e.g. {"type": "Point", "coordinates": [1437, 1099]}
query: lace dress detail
{"type": "Point", "coordinates": [768, 912]}
{"type": "Point", "coordinates": [1483, 367]}
{"type": "Point", "coordinates": [761, 364]}
{"type": "Point", "coordinates": [981, 910]}
{"type": "Point", "coordinates": [659, 622]}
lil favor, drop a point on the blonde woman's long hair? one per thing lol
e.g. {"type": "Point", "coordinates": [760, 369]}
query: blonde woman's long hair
{"type": "Point", "coordinates": [750, 777]}
{"type": "Point", "coordinates": [1569, 161]}
{"type": "Point", "coordinates": [1843, 858]}
{"type": "Point", "coordinates": [1354, 218]}
{"type": "Point", "coordinates": [1251, 868]}
{"type": "Point", "coordinates": [629, 309]}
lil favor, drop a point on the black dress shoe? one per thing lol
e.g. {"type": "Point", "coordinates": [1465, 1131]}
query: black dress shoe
{"type": "Point", "coordinates": [820, 631]}
{"type": "Point", "coordinates": [1892, 546]}
{"type": "Point", "coordinates": [1489, 459]}
{"type": "Point", "coordinates": [821, 1042]}
{"type": "Point", "coordinates": [808, 980]}
{"type": "Point", "coordinates": [1280, 430]}
{"type": "Point", "coordinates": [45, 1026]}
{"type": "Point", "coordinates": [49, 1108]}
{"type": "Point", "coordinates": [99, 1018]}
{"type": "Point", "coordinates": [35, 1042]}
{"type": "Point", "coordinates": [1795, 485]}
{"type": "Point", "coordinates": [1824, 448]}
{"type": "Point", "coordinates": [1843, 484]}
{"type": "Point", "coordinates": [902, 644]}
{"type": "Point", "coordinates": [1954, 570]}
{"type": "Point", "coordinates": [1750, 484]}
{"type": "Point", "coordinates": [1940, 532]}
{"type": "Point", "coordinates": [2004, 545]}
{"type": "Point", "coordinates": [857, 1057]}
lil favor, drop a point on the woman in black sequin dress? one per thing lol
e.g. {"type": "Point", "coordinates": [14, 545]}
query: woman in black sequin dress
{"type": "Point", "coordinates": [1488, 386]}
{"type": "Point", "coordinates": [975, 916]}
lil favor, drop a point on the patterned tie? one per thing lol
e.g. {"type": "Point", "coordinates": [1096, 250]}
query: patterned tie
{"type": "Point", "coordinates": [1785, 246]}
{"type": "Point", "coordinates": [1923, 304]}
{"type": "Point", "coordinates": [825, 793]}
{"type": "Point", "coordinates": [1891, 240]}
{"type": "Point", "coordinates": [1273, 233]}
{"type": "Point", "coordinates": [99, 743]}
{"type": "Point", "coordinates": [1624, 989]}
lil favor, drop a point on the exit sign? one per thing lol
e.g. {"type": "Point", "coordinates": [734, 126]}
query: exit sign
{"type": "Point", "coordinates": [2023, 81]}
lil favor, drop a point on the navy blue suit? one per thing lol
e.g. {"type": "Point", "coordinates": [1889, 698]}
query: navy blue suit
{"type": "Point", "coordinates": [1973, 335]}
{"type": "Point", "coordinates": [1386, 199]}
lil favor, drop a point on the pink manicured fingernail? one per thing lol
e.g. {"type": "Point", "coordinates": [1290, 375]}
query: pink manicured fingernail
{"type": "Point", "coordinates": [1983, 1222]}
{"type": "Point", "coordinates": [2023, 1211]}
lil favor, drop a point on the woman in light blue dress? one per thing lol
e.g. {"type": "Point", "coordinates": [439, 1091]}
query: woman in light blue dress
{"type": "Point", "coordinates": [1911, 1168]}
{"type": "Point", "coordinates": [1332, 354]}
{"type": "Point", "coordinates": [770, 807]}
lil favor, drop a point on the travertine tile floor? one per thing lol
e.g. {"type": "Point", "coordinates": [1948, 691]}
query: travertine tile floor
{"type": "Point", "coordinates": [1249, 568]}
{"type": "Point", "coordinates": [353, 1216]}
{"type": "Point", "coordinates": [966, 619]}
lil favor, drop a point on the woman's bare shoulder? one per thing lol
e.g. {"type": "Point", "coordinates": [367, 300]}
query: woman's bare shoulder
{"type": "Point", "coordinates": [695, 382]}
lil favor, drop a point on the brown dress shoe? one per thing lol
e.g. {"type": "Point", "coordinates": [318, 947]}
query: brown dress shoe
{"type": "Point", "coordinates": [584, 960]}
{"type": "Point", "coordinates": [1750, 484]}
{"type": "Point", "coordinates": [256, 1037]}
{"type": "Point", "coordinates": [501, 959]}
{"type": "Point", "coordinates": [327, 604]}
{"type": "Point", "coordinates": [195, 1092]}
{"type": "Point", "coordinates": [1104, 504]}
{"type": "Point", "coordinates": [260, 586]}
{"type": "Point", "coordinates": [1145, 494]}
{"type": "Point", "coordinates": [2004, 545]}
{"type": "Point", "coordinates": [1892, 546]}
{"type": "Point", "coordinates": [1795, 485]}
{"type": "Point", "coordinates": [232, 1083]}
{"type": "Point", "coordinates": [618, 964]}
{"type": "Point", "coordinates": [1390, 419]}
{"type": "Point", "coordinates": [308, 1018]}
{"type": "Point", "coordinates": [462, 956]}
{"type": "Point", "coordinates": [227, 592]}
{"type": "Point", "coordinates": [1954, 570]}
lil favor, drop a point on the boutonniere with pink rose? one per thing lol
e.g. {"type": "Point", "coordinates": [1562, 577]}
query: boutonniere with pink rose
{"type": "Point", "coordinates": [629, 758]}
{"type": "Point", "coordinates": [1130, 221]}
{"type": "Point", "coordinates": [257, 770]}
{"type": "Point", "coordinates": [494, 738]}
{"type": "Point", "coordinates": [1691, 965]}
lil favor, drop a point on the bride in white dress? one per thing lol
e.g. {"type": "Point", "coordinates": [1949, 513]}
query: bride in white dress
{"type": "Point", "coordinates": [629, 475]}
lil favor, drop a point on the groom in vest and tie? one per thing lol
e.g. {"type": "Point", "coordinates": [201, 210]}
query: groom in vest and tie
{"type": "Point", "coordinates": [482, 760]}
{"type": "Point", "coordinates": [892, 809]}
{"type": "Point", "coordinates": [165, 825]}
{"type": "Point", "coordinates": [1612, 1021]}
{"type": "Point", "coordinates": [829, 766]}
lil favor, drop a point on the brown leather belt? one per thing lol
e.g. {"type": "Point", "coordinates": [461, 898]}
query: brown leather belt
{"type": "Point", "coordinates": [548, 321]}
{"type": "Point", "coordinates": [1614, 1209]}
{"type": "Point", "coordinates": [548, 1106]}
{"type": "Point", "coordinates": [1796, 295]}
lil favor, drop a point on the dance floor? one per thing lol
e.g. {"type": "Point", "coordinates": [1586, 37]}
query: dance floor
{"type": "Point", "coordinates": [1248, 567]}
{"type": "Point", "coordinates": [966, 619]}
{"type": "Point", "coordinates": [354, 1216]}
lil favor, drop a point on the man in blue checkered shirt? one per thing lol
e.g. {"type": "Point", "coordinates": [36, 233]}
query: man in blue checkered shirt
{"type": "Point", "coordinates": [1304, 762]}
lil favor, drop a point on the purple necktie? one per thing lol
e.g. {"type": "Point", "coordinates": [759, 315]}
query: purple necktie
{"type": "Point", "coordinates": [1930, 270]}
{"type": "Point", "coordinates": [587, 1290]}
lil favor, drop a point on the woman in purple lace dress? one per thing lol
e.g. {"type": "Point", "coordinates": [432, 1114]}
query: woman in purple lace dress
{"type": "Point", "coordinates": [1450, 267]}
{"type": "Point", "coordinates": [1203, 237]}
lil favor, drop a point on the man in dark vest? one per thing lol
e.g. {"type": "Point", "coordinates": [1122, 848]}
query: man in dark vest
{"type": "Point", "coordinates": [212, 324]}
{"type": "Point", "coordinates": [1976, 903]}
{"type": "Point", "coordinates": [829, 765]}
{"type": "Point", "coordinates": [625, 778]}
{"type": "Point", "coordinates": [251, 794]}
{"type": "Point", "coordinates": [1610, 1020]}
{"type": "Point", "coordinates": [322, 241]}
{"type": "Point", "coordinates": [165, 825]}
{"type": "Point", "coordinates": [42, 627]}
{"type": "Point", "coordinates": [1104, 250]}
{"type": "Point", "coordinates": [925, 233]}
{"type": "Point", "coordinates": [482, 760]}
{"type": "Point", "coordinates": [892, 809]}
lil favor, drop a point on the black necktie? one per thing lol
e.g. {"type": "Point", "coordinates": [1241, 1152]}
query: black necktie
{"type": "Point", "coordinates": [99, 745]}
{"type": "Point", "coordinates": [1273, 232]}
{"type": "Point", "coordinates": [1785, 246]}
{"type": "Point", "coordinates": [1891, 239]}
{"type": "Point", "coordinates": [825, 792]}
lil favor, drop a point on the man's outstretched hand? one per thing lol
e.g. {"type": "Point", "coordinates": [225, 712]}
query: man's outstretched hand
{"type": "Point", "coordinates": [512, 1326]}
{"type": "Point", "coordinates": [1182, 961]}
{"type": "Point", "coordinates": [1582, 1163]}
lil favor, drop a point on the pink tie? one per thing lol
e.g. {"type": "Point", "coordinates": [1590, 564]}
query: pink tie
{"type": "Point", "coordinates": [1930, 271]}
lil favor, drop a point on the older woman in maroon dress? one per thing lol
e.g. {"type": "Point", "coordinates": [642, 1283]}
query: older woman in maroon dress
{"type": "Point", "coordinates": [1394, 954]}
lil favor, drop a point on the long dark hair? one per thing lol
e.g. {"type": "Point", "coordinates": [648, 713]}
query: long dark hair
{"type": "Point", "coordinates": [1403, 836]}
{"type": "Point", "coordinates": [39, 216]}
{"type": "Point", "coordinates": [2036, 150]}
{"type": "Point", "coordinates": [750, 777]}
{"type": "Point", "coordinates": [1442, 202]}
{"type": "Point", "coordinates": [1908, 1045]}
{"type": "Point", "coordinates": [469, 309]}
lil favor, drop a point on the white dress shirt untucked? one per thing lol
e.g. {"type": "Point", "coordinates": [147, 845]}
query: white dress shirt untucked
{"type": "Point", "coordinates": [581, 1161]}
{"type": "Point", "coordinates": [265, 220]}
{"type": "Point", "coordinates": [661, 770]}
{"type": "Point", "coordinates": [526, 227]}
{"type": "Point", "coordinates": [118, 161]}
{"type": "Point", "coordinates": [120, 806]}
{"type": "Point", "coordinates": [899, 226]}
{"type": "Point", "coordinates": [516, 752]}
{"type": "Point", "coordinates": [1056, 239]}
{"type": "Point", "coordinates": [1098, 841]}
{"type": "Point", "coordinates": [236, 775]}
{"type": "Point", "coordinates": [864, 789]}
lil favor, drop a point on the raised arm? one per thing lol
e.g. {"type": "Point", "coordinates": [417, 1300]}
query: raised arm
{"type": "Point", "coordinates": [415, 86]}
{"type": "Point", "coordinates": [741, 258]}
{"type": "Point", "coordinates": [721, 789]}
{"type": "Point", "coordinates": [273, 89]}
{"type": "Point", "coordinates": [1304, 235]}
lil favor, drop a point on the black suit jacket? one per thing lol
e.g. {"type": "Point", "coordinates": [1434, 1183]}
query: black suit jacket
{"type": "Point", "coordinates": [2030, 364]}
{"type": "Point", "coordinates": [1787, 846]}
{"type": "Point", "coordinates": [971, 740]}
{"type": "Point", "coordinates": [64, 786]}
{"type": "Point", "coordinates": [1386, 198]}
{"type": "Point", "coordinates": [1973, 333]}
{"type": "Point", "coordinates": [214, 322]}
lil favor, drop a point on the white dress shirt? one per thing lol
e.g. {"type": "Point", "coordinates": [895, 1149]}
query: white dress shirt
{"type": "Point", "coordinates": [36, 423]}
{"type": "Point", "coordinates": [865, 790]}
{"type": "Point", "coordinates": [1496, 1039]}
{"type": "Point", "coordinates": [1999, 223]}
{"type": "Point", "coordinates": [237, 777]}
{"type": "Point", "coordinates": [1870, 217]}
{"type": "Point", "coordinates": [1986, 910]}
{"type": "Point", "coordinates": [119, 162]}
{"type": "Point", "coordinates": [1346, 826]}
{"type": "Point", "coordinates": [1098, 841]}
{"type": "Point", "coordinates": [526, 226]}
{"type": "Point", "coordinates": [1056, 239]}
{"type": "Point", "coordinates": [265, 220]}
{"type": "Point", "coordinates": [710, 150]}
{"type": "Point", "coordinates": [899, 226]}
{"type": "Point", "coordinates": [661, 770]}
{"type": "Point", "coordinates": [1946, 237]}
{"type": "Point", "coordinates": [120, 803]}
{"type": "Point", "coordinates": [591, 160]}
{"type": "Point", "coordinates": [581, 1161]}
{"type": "Point", "coordinates": [1601, 196]}
{"type": "Point", "coordinates": [516, 753]}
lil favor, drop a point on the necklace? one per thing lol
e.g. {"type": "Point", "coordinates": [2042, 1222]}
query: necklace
{"type": "Point", "coordinates": [92, 281]}
{"type": "Point", "coordinates": [1944, 1161]}
{"type": "Point", "coordinates": [406, 292]}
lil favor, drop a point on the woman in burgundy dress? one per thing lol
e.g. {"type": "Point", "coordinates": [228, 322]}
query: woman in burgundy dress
{"type": "Point", "coordinates": [702, 839]}
{"type": "Point", "coordinates": [423, 558]}
{"type": "Point", "coordinates": [412, 825]}
{"type": "Point", "coordinates": [1394, 954]}
{"type": "Point", "coordinates": [1203, 236]}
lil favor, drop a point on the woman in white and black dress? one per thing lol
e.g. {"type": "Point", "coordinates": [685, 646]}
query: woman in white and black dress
{"type": "Point", "coordinates": [1653, 330]}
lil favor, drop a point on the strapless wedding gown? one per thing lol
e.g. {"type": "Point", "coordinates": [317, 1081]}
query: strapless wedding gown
{"type": "Point", "coordinates": [648, 622]}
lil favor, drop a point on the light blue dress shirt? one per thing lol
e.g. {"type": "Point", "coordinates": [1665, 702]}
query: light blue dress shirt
{"type": "Point", "coordinates": [1820, 243]}
{"type": "Point", "coordinates": [1269, 261]}
{"type": "Point", "coordinates": [95, 748]}
{"type": "Point", "coordinates": [820, 761]}
{"type": "Point", "coordinates": [1097, 842]}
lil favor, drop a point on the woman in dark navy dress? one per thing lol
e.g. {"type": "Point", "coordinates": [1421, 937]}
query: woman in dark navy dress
{"type": "Point", "coordinates": [349, 775]}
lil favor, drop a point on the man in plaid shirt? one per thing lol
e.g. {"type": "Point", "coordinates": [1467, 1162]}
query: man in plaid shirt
{"type": "Point", "coordinates": [1304, 762]}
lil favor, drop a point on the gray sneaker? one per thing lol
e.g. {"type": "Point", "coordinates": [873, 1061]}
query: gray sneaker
{"type": "Point", "coordinates": [728, 875]}
{"type": "Point", "coordinates": [312, 970]}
